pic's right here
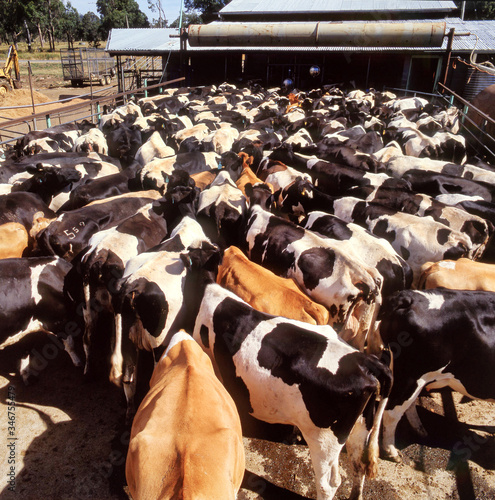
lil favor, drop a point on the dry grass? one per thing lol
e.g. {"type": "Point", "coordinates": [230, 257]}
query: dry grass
{"type": "Point", "coordinates": [37, 53]}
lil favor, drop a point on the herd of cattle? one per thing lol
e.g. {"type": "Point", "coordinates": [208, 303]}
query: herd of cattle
{"type": "Point", "coordinates": [282, 244]}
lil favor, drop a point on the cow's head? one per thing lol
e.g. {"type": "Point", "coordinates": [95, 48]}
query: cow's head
{"type": "Point", "coordinates": [259, 194]}
{"type": "Point", "coordinates": [123, 143]}
{"type": "Point", "coordinates": [47, 181]}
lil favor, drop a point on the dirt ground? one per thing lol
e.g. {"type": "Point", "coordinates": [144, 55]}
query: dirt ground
{"type": "Point", "coordinates": [70, 444]}
{"type": "Point", "coordinates": [65, 439]}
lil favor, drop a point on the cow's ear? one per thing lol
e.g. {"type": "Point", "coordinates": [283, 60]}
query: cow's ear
{"type": "Point", "coordinates": [248, 188]}
{"type": "Point", "coordinates": [34, 169]}
{"type": "Point", "coordinates": [187, 261]}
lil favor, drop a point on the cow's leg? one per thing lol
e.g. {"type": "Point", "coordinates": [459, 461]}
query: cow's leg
{"type": "Point", "coordinates": [363, 449]}
{"type": "Point", "coordinates": [88, 325]}
{"type": "Point", "coordinates": [414, 420]}
{"type": "Point", "coordinates": [117, 359]}
{"type": "Point", "coordinates": [324, 448]}
{"type": "Point", "coordinates": [129, 384]}
{"type": "Point", "coordinates": [355, 447]}
{"type": "Point", "coordinates": [391, 419]}
{"type": "Point", "coordinates": [25, 369]}
{"type": "Point", "coordinates": [70, 348]}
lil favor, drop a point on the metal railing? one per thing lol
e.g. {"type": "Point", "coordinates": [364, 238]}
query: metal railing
{"type": "Point", "coordinates": [12, 129]}
{"type": "Point", "coordinates": [476, 135]}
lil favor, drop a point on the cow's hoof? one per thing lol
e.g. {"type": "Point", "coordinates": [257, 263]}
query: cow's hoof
{"type": "Point", "coordinates": [396, 457]}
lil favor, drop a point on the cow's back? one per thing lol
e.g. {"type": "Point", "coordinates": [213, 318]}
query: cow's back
{"type": "Point", "coordinates": [461, 274]}
{"type": "Point", "coordinates": [267, 292]}
{"type": "Point", "coordinates": [186, 439]}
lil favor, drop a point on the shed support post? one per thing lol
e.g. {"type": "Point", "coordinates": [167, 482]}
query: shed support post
{"type": "Point", "coordinates": [448, 54]}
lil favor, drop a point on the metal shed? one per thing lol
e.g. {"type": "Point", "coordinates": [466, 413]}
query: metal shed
{"type": "Point", "coordinates": [352, 64]}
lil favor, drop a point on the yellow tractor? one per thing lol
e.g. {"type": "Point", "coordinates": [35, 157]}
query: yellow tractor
{"type": "Point", "coordinates": [7, 83]}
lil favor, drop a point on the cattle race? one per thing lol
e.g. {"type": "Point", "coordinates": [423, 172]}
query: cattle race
{"type": "Point", "coordinates": [300, 268]}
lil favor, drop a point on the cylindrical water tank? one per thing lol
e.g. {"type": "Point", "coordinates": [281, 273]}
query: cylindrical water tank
{"type": "Point", "coordinates": [323, 34]}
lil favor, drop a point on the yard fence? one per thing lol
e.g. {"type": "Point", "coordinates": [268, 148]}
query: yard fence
{"type": "Point", "coordinates": [13, 128]}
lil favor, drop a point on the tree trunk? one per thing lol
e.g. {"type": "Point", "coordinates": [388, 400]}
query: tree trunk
{"type": "Point", "coordinates": [51, 29]}
{"type": "Point", "coordinates": [40, 33]}
{"type": "Point", "coordinates": [28, 36]}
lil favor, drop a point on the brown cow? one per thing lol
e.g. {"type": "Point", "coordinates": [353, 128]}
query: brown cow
{"type": "Point", "coordinates": [186, 438]}
{"type": "Point", "coordinates": [14, 240]}
{"type": "Point", "coordinates": [267, 292]}
{"type": "Point", "coordinates": [247, 175]}
{"type": "Point", "coordinates": [461, 274]}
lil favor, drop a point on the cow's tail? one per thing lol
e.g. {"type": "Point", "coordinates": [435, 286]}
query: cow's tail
{"type": "Point", "coordinates": [373, 413]}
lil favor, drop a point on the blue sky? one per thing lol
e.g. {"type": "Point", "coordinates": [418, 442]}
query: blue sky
{"type": "Point", "coordinates": [171, 8]}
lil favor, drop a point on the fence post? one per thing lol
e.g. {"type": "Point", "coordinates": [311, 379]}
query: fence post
{"type": "Point", "coordinates": [32, 96]}
{"type": "Point", "coordinates": [145, 87]}
{"type": "Point", "coordinates": [48, 121]}
{"type": "Point", "coordinates": [98, 110]}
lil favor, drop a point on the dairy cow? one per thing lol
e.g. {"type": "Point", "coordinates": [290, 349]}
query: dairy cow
{"type": "Point", "coordinates": [32, 300]}
{"type": "Point", "coordinates": [70, 232]}
{"type": "Point", "coordinates": [266, 291]}
{"type": "Point", "coordinates": [179, 447]}
{"type": "Point", "coordinates": [284, 371]}
{"type": "Point", "coordinates": [221, 210]}
{"type": "Point", "coordinates": [375, 252]}
{"type": "Point", "coordinates": [477, 228]}
{"type": "Point", "coordinates": [461, 274]}
{"type": "Point", "coordinates": [150, 304]}
{"type": "Point", "coordinates": [331, 275]}
{"type": "Point", "coordinates": [438, 338]}
{"type": "Point", "coordinates": [416, 239]}
{"type": "Point", "coordinates": [98, 268]}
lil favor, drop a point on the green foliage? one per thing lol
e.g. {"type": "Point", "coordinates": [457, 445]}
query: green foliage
{"type": "Point", "coordinates": [120, 14]}
{"type": "Point", "coordinates": [207, 9]}
{"type": "Point", "coordinates": [69, 24]}
{"type": "Point", "coordinates": [477, 10]}
{"type": "Point", "coordinates": [12, 19]}
{"type": "Point", "coordinates": [187, 19]}
{"type": "Point", "coordinates": [91, 29]}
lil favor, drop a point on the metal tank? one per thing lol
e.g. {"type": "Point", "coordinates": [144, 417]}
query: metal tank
{"type": "Point", "coordinates": [324, 34]}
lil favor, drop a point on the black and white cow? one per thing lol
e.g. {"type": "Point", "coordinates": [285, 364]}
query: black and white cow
{"type": "Point", "coordinates": [58, 138]}
{"type": "Point", "coordinates": [402, 164]}
{"type": "Point", "coordinates": [221, 210]}
{"type": "Point", "coordinates": [32, 300]}
{"type": "Point", "coordinates": [70, 232]}
{"type": "Point", "coordinates": [154, 175]}
{"type": "Point", "coordinates": [103, 187]}
{"type": "Point", "coordinates": [98, 268]}
{"type": "Point", "coordinates": [330, 274]}
{"type": "Point", "coordinates": [150, 305]}
{"type": "Point", "coordinates": [283, 371]}
{"type": "Point", "coordinates": [477, 228]}
{"type": "Point", "coordinates": [47, 182]}
{"type": "Point", "coordinates": [376, 252]}
{"type": "Point", "coordinates": [437, 338]}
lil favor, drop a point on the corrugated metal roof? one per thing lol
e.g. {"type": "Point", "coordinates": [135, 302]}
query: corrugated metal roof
{"type": "Point", "coordinates": [155, 41]}
{"type": "Point", "coordinates": [260, 7]}
{"type": "Point", "coordinates": [142, 40]}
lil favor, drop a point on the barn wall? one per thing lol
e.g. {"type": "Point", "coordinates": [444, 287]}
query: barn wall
{"type": "Point", "coordinates": [350, 70]}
